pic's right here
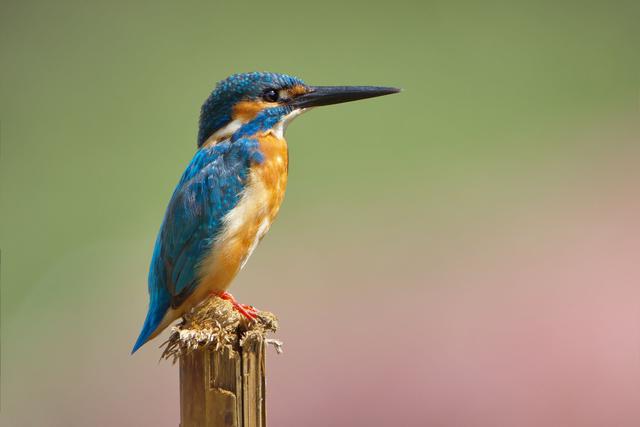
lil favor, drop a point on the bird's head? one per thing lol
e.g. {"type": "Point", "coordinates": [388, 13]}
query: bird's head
{"type": "Point", "coordinates": [257, 101]}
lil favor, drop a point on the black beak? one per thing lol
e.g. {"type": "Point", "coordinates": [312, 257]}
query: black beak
{"type": "Point", "coordinates": [327, 95]}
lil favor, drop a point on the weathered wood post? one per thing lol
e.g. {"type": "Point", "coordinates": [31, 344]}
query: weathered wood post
{"type": "Point", "coordinates": [222, 366]}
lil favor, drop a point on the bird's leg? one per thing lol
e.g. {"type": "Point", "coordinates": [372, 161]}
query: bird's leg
{"type": "Point", "coordinates": [246, 310]}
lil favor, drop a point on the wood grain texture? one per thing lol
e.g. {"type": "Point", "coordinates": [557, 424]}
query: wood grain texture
{"type": "Point", "coordinates": [219, 388]}
{"type": "Point", "coordinates": [222, 366]}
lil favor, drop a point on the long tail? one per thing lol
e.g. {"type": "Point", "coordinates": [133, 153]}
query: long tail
{"type": "Point", "coordinates": [153, 325]}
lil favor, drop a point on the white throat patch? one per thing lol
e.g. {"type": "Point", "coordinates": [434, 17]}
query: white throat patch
{"type": "Point", "coordinates": [281, 126]}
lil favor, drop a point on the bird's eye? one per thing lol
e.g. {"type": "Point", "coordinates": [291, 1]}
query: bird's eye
{"type": "Point", "coordinates": [270, 95]}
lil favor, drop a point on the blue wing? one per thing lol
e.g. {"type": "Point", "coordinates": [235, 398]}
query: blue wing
{"type": "Point", "coordinates": [209, 188]}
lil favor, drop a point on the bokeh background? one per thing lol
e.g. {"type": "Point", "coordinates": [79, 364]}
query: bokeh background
{"type": "Point", "coordinates": [465, 253]}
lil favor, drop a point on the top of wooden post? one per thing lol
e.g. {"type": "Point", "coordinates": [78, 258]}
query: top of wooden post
{"type": "Point", "coordinates": [216, 325]}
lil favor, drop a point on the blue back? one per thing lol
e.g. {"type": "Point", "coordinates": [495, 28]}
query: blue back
{"type": "Point", "coordinates": [209, 188]}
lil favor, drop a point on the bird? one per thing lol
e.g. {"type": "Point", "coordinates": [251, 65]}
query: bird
{"type": "Point", "coordinates": [231, 191]}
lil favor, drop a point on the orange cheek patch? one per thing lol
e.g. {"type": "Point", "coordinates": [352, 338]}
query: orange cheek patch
{"type": "Point", "coordinates": [297, 90]}
{"type": "Point", "coordinates": [247, 110]}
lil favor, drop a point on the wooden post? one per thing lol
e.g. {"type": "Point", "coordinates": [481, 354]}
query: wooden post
{"type": "Point", "coordinates": [222, 366]}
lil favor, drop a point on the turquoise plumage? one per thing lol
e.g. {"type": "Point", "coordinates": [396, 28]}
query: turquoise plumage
{"type": "Point", "coordinates": [208, 189]}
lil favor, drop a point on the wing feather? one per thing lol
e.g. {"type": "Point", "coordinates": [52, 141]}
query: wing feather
{"type": "Point", "coordinates": [210, 187]}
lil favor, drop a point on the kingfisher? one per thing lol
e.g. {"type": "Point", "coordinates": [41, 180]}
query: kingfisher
{"type": "Point", "coordinates": [231, 191]}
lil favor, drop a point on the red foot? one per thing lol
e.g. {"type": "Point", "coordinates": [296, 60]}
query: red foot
{"type": "Point", "coordinates": [246, 310]}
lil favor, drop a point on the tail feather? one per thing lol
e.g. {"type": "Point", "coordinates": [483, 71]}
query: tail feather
{"type": "Point", "coordinates": [145, 334]}
{"type": "Point", "coordinates": [152, 326]}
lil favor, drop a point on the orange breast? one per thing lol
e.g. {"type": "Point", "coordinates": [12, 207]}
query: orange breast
{"type": "Point", "coordinates": [243, 226]}
{"type": "Point", "coordinates": [248, 222]}
{"type": "Point", "coordinates": [273, 171]}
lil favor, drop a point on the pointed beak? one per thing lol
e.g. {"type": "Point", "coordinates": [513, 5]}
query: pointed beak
{"type": "Point", "coordinates": [328, 95]}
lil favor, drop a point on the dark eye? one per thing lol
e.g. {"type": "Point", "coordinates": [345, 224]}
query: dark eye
{"type": "Point", "coordinates": [270, 95]}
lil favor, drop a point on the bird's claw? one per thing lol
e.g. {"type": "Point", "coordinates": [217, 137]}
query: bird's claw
{"type": "Point", "coordinates": [247, 311]}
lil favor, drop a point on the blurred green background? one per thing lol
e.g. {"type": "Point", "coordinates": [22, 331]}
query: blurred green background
{"type": "Point", "coordinates": [483, 223]}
